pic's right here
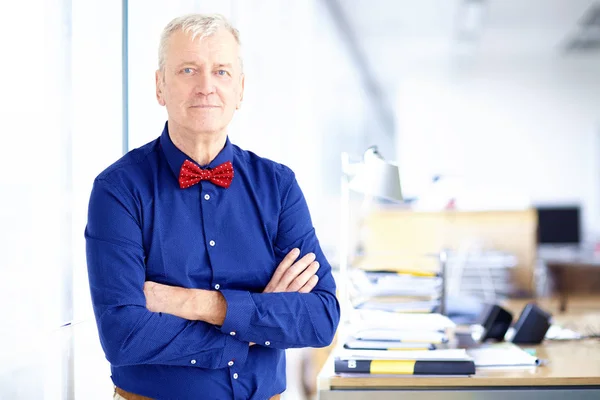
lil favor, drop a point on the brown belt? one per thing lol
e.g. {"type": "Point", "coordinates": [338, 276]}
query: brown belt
{"type": "Point", "coordinates": [130, 396]}
{"type": "Point", "coordinates": [133, 396]}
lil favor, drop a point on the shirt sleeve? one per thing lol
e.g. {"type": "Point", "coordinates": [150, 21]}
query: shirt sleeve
{"type": "Point", "coordinates": [286, 320]}
{"type": "Point", "coordinates": [129, 333]}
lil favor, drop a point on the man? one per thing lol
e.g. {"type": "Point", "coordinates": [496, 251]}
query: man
{"type": "Point", "coordinates": [203, 261]}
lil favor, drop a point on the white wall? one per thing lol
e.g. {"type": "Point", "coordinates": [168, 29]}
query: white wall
{"type": "Point", "coordinates": [61, 111]}
{"type": "Point", "coordinates": [97, 132]}
{"type": "Point", "coordinates": [97, 109]}
{"type": "Point", "coordinates": [513, 131]}
{"type": "Point", "coordinates": [34, 188]}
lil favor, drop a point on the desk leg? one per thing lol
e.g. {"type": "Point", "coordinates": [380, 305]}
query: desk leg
{"type": "Point", "coordinates": [563, 288]}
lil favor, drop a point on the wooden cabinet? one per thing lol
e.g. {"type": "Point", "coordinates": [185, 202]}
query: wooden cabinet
{"type": "Point", "coordinates": [389, 236]}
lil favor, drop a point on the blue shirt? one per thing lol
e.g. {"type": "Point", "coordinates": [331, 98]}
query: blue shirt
{"type": "Point", "coordinates": [141, 226]}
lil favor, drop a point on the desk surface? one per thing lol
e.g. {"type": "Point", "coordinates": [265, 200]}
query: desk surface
{"type": "Point", "coordinates": [569, 256]}
{"type": "Point", "coordinates": [568, 364]}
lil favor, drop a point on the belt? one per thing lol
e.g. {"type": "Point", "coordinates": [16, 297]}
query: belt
{"type": "Point", "coordinates": [133, 396]}
{"type": "Point", "coordinates": [130, 396]}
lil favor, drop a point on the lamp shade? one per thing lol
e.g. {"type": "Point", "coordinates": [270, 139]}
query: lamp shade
{"type": "Point", "coordinates": [377, 177]}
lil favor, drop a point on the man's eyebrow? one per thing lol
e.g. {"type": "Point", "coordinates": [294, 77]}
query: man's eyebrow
{"type": "Point", "coordinates": [219, 65]}
{"type": "Point", "coordinates": [186, 63]}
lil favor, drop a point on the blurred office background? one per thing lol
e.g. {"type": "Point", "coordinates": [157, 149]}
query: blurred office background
{"type": "Point", "coordinates": [497, 101]}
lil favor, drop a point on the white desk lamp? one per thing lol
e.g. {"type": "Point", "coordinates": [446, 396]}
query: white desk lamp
{"type": "Point", "coordinates": [374, 177]}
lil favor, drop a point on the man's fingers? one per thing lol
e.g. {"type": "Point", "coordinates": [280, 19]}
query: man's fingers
{"type": "Point", "coordinates": [286, 263]}
{"type": "Point", "coordinates": [310, 285]}
{"type": "Point", "coordinates": [294, 271]}
{"type": "Point", "coordinates": [303, 278]}
{"type": "Point", "coordinates": [283, 266]}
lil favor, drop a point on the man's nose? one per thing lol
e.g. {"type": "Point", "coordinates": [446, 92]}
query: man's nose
{"type": "Point", "coordinates": [205, 84]}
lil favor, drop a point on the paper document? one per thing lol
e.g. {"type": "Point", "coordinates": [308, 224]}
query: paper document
{"type": "Point", "coordinates": [387, 345]}
{"type": "Point", "coordinates": [429, 355]}
{"type": "Point", "coordinates": [501, 355]}
{"type": "Point", "coordinates": [406, 322]}
{"type": "Point", "coordinates": [412, 306]}
{"type": "Point", "coordinates": [401, 336]}
{"type": "Point", "coordinates": [390, 284]}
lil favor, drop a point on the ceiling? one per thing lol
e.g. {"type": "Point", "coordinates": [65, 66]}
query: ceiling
{"type": "Point", "coordinates": [393, 38]}
{"type": "Point", "coordinates": [395, 33]}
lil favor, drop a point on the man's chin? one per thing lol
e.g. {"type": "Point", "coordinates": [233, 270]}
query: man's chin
{"type": "Point", "coordinates": [200, 126]}
{"type": "Point", "coordinates": [206, 129]}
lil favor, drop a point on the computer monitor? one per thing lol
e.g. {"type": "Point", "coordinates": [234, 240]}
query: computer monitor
{"type": "Point", "coordinates": [559, 225]}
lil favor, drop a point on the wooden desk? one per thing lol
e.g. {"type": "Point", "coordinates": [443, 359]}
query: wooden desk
{"type": "Point", "coordinates": [572, 371]}
{"type": "Point", "coordinates": [564, 261]}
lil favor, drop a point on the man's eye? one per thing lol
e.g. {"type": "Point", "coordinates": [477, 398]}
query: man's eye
{"type": "Point", "coordinates": [222, 72]}
{"type": "Point", "coordinates": [187, 70]}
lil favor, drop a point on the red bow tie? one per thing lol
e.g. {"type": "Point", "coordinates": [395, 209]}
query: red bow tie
{"type": "Point", "coordinates": [190, 174]}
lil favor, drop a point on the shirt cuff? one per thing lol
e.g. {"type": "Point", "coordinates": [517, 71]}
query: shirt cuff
{"type": "Point", "coordinates": [235, 352]}
{"type": "Point", "coordinates": [239, 313]}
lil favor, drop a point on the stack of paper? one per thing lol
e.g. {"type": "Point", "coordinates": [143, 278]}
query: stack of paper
{"type": "Point", "coordinates": [371, 319]}
{"type": "Point", "coordinates": [394, 327]}
{"type": "Point", "coordinates": [395, 292]}
{"type": "Point", "coordinates": [383, 342]}
{"type": "Point", "coordinates": [405, 336]}
{"type": "Point", "coordinates": [398, 305]}
{"type": "Point", "coordinates": [438, 355]}
{"type": "Point", "coordinates": [360, 344]}
{"type": "Point", "coordinates": [421, 330]}
{"type": "Point", "coordinates": [394, 284]}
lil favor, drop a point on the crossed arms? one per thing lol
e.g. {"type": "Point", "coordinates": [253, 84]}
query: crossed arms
{"type": "Point", "coordinates": [149, 323]}
{"type": "Point", "coordinates": [292, 275]}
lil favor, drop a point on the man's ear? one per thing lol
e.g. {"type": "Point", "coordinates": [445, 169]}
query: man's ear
{"type": "Point", "coordinates": [159, 88]}
{"type": "Point", "coordinates": [239, 103]}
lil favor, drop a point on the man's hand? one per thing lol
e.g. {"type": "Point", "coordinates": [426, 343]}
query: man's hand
{"type": "Point", "coordinates": [294, 276]}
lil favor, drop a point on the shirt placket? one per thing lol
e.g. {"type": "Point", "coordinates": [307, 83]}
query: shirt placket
{"type": "Point", "coordinates": [208, 208]}
{"type": "Point", "coordinates": [210, 196]}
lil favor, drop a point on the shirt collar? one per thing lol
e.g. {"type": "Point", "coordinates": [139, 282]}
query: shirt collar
{"type": "Point", "coordinates": [176, 157]}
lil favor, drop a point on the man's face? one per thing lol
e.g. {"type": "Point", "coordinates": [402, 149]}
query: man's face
{"type": "Point", "coordinates": [202, 83]}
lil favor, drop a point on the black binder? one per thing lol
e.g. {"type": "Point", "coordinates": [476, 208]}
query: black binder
{"type": "Point", "coordinates": [405, 367]}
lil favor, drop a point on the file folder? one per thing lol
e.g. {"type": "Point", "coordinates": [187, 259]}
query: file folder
{"type": "Point", "coordinates": [404, 367]}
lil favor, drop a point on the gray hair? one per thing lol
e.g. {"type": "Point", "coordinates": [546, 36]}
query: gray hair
{"type": "Point", "coordinates": [199, 25]}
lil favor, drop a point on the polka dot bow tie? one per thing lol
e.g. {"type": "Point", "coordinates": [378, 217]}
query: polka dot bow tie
{"type": "Point", "coordinates": [190, 174]}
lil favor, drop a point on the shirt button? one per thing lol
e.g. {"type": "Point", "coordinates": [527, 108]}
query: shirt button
{"type": "Point", "coordinates": [232, 333]}
{"type": "Point", "coordinates": [212, 243]}
{"type": "Point", "coordinates": [267, 343]}
{"type": "Point", "coordinates": [207, 197]}
{"type": "Point", "coordinates": [235, 376]}
{"type": "Point", "coordinates": [193, 362]}
{"type": "Point", "coordinates": [217, 286]}
{"type": "Point", "coordinates": [230, 363]}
